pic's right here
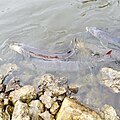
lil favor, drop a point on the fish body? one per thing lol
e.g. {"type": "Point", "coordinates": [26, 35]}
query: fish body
{"type": "Point", "coordinates": [37, 53]}
{"type": "Point", "coordinates": [104, 36]}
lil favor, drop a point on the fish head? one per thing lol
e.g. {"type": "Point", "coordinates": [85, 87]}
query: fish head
{"type": "Point", "coordinates": [93, 30]}
{"type": "Point", "coordinates": [16, 47]}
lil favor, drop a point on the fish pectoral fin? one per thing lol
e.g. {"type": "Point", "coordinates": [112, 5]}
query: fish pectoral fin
{"type": "Point", "coordinates": [108, 53]}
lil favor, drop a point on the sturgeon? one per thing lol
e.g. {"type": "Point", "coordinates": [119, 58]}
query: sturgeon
{"type": "Point", "coordinates": [29, 51]}
{"type": "Point", "coordinates": [104, 36]}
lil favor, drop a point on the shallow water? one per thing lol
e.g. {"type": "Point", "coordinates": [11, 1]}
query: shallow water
{"type": "Point", "coordinates": [51, 25]}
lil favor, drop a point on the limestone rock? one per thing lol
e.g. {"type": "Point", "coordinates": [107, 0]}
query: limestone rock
{"type": "Point", "coordinates": [72, 110]}
{"type": "Point", "coordinates": [54, 108]}
{"type": "Point", "coordinates": [55, 85]}
{"type": "Point", "coordinates": [46, 99]}
{"type": "Point", "coordinates": [109, 113]}
{"type": "Point", "coordinates": [35, 108]}
{"type": "Point", "coordinates": [21, 111]}
{"type": "Point", "coordinates": [47, 116]}
{"type": "Point", "coordinates": [25, 94]}
{"type": "Point", "coordinates": [111, 79]}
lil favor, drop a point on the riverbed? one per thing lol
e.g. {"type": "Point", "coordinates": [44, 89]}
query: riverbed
{"type": "Point", "coordinates": [51, 25]}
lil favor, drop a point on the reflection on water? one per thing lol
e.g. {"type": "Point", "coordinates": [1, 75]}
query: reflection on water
{"type": "Point", "coordinates": [51, 25]}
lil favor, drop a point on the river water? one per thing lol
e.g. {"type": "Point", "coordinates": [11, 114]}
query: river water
{"type": "Point", "coordinates": [51, 25]}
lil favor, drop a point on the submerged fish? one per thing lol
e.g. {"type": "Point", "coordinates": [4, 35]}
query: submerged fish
{"type": "Point", "coordinates": [104, 37]}
{"type": "Point", "coordinates": [37, 53]}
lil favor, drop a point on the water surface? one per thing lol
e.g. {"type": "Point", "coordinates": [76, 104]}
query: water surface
{"type": "Point", "coordinates": [51, 25]}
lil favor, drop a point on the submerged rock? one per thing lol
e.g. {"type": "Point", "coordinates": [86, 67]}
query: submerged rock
{"type": "Point", "coordinates": [21, 111]}
{"type": "Point", "coordinates": [25, 94]}
{"type": "Point", "coordinates": [35, 108]}
{"type": "Point", "coordinates": [109, 113]}
{"type": "Point", "coordinates": [72, 110]}
{"type": "Point", "coordinates": [6, 68]}
{"type": "Point", "coordinates": [111, 78]}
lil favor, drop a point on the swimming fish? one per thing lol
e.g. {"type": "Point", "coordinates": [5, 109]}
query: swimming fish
{"type": "Point", "coordinates": [104, 37]}
{"type": "Point", "coordinates": [28, 51]}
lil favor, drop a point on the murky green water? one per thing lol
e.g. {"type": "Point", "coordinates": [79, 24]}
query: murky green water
{"type": "Point", "coordinates": [51, 25]}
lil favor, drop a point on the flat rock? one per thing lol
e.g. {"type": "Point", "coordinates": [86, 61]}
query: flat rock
{"type": "Point", "coordinates": [109, 113]}
{"type": "Point", "coordinates": [111, 79]}
{"type": "Point", "coordinates": [35, 108]}
{"type": "Point", "coordinates": [25, 94]}
{"type": "Point", "coordinates": [72, 110]}
{"type": "Point", "coordinates": [21, 111]}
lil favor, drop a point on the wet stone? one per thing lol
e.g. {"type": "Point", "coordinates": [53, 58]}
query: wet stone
{"type": "Point", "coordinates": [73, 89]}
{"type": "Point", "coordinates": [54, 108]}
{"type": "Point", "coordinates": [21, 111]}
{"type": "Point", "coordinates": [55, 85]}
{"type": "Point", "coordinates": [46, 99]}
{"type": "Point", "coordinates": [72, 110]}
{"type": "Point", "coordinates": [35, 108]}
{"type": "Point", "coordinates": [109, 113]}
{"type": "Point", "coordinates": [25, 94]}
{"type": "Point", "coordinates": [46, 116]}
{"type": "Point", "coordinates": [61, 97]}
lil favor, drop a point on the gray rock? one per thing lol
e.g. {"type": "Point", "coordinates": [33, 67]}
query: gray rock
{"type": "Point", "coordinates": [47, 116]}
{"type": "Point", "coordinates": [72, 110]}
{"type": "Point", "coordinates": [35, 108]}
{"type": "Point", "coordinates": [21, 111]}
{"type": "Point", "coordinates": [109, 113]}
{"type": "Point", "coordinates": [25, 94]}
{"type": "Point", "coordinates": [111, 79]}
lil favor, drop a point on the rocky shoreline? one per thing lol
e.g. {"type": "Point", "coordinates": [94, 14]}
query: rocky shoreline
{"type": "Point", "coordinates": [53, 100]}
